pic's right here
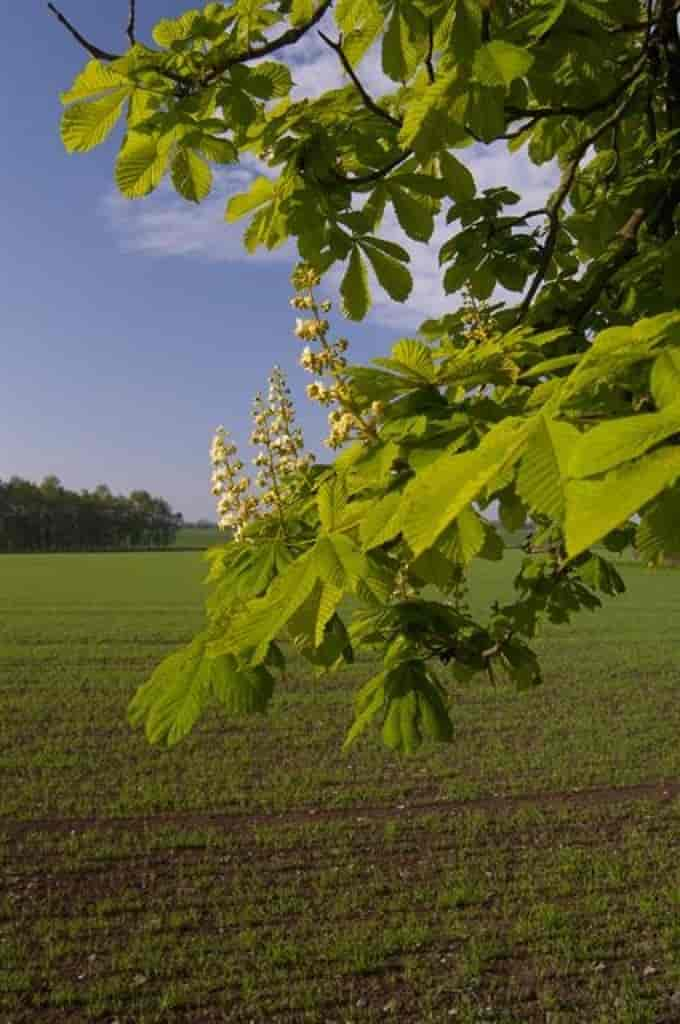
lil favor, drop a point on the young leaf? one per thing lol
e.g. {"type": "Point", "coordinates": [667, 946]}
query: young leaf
{"type": "Point", "coordinates": [392, 275]}
{"type": "Point", "coordinates": [356, 298]}
{"type": "Point", "coordinates": [86, 124]}
{"type": "Point", "coordinates": [542, 474]}
{"type": "Point", "coordinates": [172, 700]}
{"type": "Point", "coordinates": [500, 63]}
{"type": "Point", "coordinates": [437, 496]}
{"type": "Point", "coordinates": [665, 378]}
{"type": "Point", "coordinates": [597, 505]}
{"type": "Point", "coordinates": [610, 444]}
{"type": "Point", "coordinates": [191, 176]}
{"type": "Point", "coordinates": [141, 164]}
{"type": "Point", "coordinates": [94, 79]}
{"type": "Point", "coordinates": [260, 192]}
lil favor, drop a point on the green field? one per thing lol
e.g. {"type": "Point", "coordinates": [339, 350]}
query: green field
{"type": "Point", "coordinates": [198, 537]}
{"type": "Point", "coordinates": [530, 872]}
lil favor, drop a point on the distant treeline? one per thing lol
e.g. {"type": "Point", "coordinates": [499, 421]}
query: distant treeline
{"type": "Point", "coordinates": [48, 517]}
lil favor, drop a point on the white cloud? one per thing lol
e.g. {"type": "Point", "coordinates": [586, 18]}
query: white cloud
{"type": "Point", "coordinates": [166, 224]}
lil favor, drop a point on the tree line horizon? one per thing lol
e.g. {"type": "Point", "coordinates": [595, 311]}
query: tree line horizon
{"type": "Point", "coordinates": [50, 517]}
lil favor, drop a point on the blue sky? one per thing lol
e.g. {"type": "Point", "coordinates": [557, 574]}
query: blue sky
{"type": "Point", "coordinates": [130, 330]}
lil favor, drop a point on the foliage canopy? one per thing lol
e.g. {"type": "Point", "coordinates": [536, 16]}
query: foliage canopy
{"type": "Point", "coordinates": [563, 407]}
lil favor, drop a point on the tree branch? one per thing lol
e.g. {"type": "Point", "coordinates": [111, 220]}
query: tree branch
{"type": "Point", "coordinates": [132, 14]}
{"type": "Point", "coordinates": [430, 50]}
{"type": "Point", "coordinates": [536, 113]}
{"type": "Point", "coordinates": [367, 100]}
{"type": "Point", "coordinates": [623, 251]}
{"type": "Point", "coordinates": [93, 50]}
{"type": "Point", "coordinates": [286, 38]}
{"type": "Point", "coordinates": [559, 197]}
{"type": "Point", "coordinates": [368, 179]}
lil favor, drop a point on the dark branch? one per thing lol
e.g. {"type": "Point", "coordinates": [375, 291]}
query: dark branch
{"type": "Point", "coordinates": [368, 179]}
{"type": "Point", "coordinates": [132, 13]}
{"type": "Point", "coordinates": [93, 50]}
{"type": "Point", "coordinates": [430, 51]}
{"type": "Point", "coordinates": [486, 24]}
{"type": "Point", "coordinates": [536, 113]}
{"type": "Point", "coordinates": [367, 100]}
{"type": "Point", "coordinates": [623, 250]}
{"type": "Point", "coordinates": [559, 197]}
{"type": "Point", "coordinates": [286, 38]}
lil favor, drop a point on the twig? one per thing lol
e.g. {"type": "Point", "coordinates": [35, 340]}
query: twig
{"type": "Point", "coordinates": [486, 24]}
{"type": "Point", "coordinates": [536, 113]}
{"type": "Point", "coordinates": [430, 51]}
{"type": "Point", "coordinates": [95, 51]}
{"type": "Point", "coordinates": [130, 30]}
{"type": "Point", "coordinates": [368, 179]}
{"type": "Point", "coordinates": [286, 38]}
{"type": "Point", "coordinates": [367, 100]}
{"type": "Point", "coordinates": [558, 198]}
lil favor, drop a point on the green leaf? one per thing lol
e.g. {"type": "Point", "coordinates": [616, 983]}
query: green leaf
{"type": "Point", "coordinates": [94, 79]}
{"type": "Point", "coordinates": [261, 191]}
{"type": "Point", "coordinates": [542, 474]}
{"type": "Point", "coordinates": [415, 709]}
{"type": "Point", "coordinates": [381, 522]}
{"type": "Point", "coordinates": [500, 63]}
{"type": "Point", "coordinates": [264, 618]}
{"type": "Point", "coordinates": [437, 496]}
{"type": "Point", "coordinates": [392, 275]}
{"type": "Point", "coordinates": [665, 378]}
{"type": "Point", "coordinates": [411, 358]}
{"type": "Point", "coordinates": [610, 444]}
{"type": "Point", "coordinates": [598, 505]}
{"type": "Point", "coordinates": [301, 11]}
{"type": "Point", "coordinates": [415, 216]}
{"type": "Point", "coordinates": [86, 124]}
{"type": "Point", "coordinates": [191, 176]}
{"type": "Point", "coordinates": [458, 178]}
{"type": "Point", "coordinates": [368, 702]}
{"type": "Point", "coordinates": [241, 690]}
{"type": "Point", "coordinates": [221, 151]}
{"type": "Point", "coordinates": [356, 298]}
{"type": "Point", "coordinates": [141, 164]}
{"type": "Point", "coordinates": [397, 50]}
{"type": "Point", "coordinates": [466, 36]}
{"type": "Point", "coordinates": [174, 30]}
{"type": "Point", "coordinates": [658, 535]}
{"type": "Point", "coordinates": [172, 700]}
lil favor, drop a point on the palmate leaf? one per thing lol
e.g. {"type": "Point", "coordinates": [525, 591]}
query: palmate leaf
{"type": "Point", "coordinates": [142, 163]}
{"type": "Point", "coordinates": [170, 703]}
{"type": "Point", "coordinates": [392, 275]}
{"type": "Point", "coordinates": [611, 444]}
{"type": "Point", "coordinates": [412, 359]}
{"type": "Point", "coordinates": [94, 79]}
{"type": "Point", "coordinates": [186, 682]}
{"type": "Point", "coordinates": [665, 378]}
{"type": "Point", "coordinates": [597, 505]}
{"type": "Point", "coordinates": [86, 124]}
{"type": "Point", "coordinates": [413, 708]}
{"type": "Point", "coordinates": [241, 690]}
{"type": "Point", "coordinates": [435, 497]}
{"type": "Point", "coordinates": [658, 535]}
{"type": "Point", "coordinates": [264, 618]}
{"type": "Point", "coordinates": [261, 191]}
{"type": "Point", "coordinates": [191, 175]}
{"type": "Point", "coordinates": [542, 473]}
{"type": "Point", "coordinates": [500, 63]}
{"type": "Point", "coordinates": [356, 297]}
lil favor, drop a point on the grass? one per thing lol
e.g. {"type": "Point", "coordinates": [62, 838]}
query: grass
{"type": "Point", "coordinates": [198, 537]}
{"type": "Point", "coordinates": [527, 873]}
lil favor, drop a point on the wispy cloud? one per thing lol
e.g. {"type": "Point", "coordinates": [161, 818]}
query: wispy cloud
{"type": "Point", "coordinates": [165, 224]}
